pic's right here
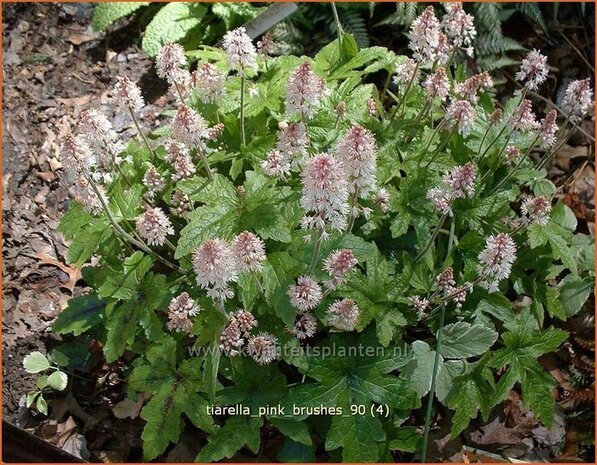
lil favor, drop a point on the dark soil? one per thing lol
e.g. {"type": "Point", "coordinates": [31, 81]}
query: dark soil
{"type": "Point", "coordinates": [54, 67]}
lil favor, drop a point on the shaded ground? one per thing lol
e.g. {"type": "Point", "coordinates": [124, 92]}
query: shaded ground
{"type": "Point", "coordinates": [54, 67]}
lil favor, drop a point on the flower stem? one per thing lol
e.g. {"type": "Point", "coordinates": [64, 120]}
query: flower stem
{"type": "Point", "coordinates": [242, 110]}
{"type": "Point", "coordinates": [422, 253]}
{"type": "Point", "coordinates": [403, 97]}
{"type": "Point", "coordinates": [153, 154]}
{"type": "Point", "coordinates": [352, 216]}
{"type": "Point", "coordinates": [511, 173]}
{"type": "Point", "coordinates": [124, 235]}
{"type": "Point", "coordinates": [316, 252]}
{"type": "Point", "coordinates": [179, 91]}
{"type": "Point", "coordinates": [438, 344]}
{"type": "Point", "coordinates": [440, 331]}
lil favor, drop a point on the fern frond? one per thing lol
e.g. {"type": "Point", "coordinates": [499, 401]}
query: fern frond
{"type": "Point", "coordinates": [487, 17]}
{"type": "Point", "coordinates": [496, 45]}
{"type": "Point", "coordinates": [353, 22]}
{"type": "Point", "coordinates": [532, 12]}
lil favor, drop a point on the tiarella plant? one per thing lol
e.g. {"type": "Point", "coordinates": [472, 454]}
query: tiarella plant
{"type": "Point", "coordinates": [296, 237]}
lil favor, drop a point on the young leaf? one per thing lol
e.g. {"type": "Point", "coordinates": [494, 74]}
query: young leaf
{"type": "Point", "coordinates": [58, 380]}
{"type": "Point", "coordinates": [234, 435]}
{"type": "Point", "coordinates": [107, 13]}
{"type": "Point", "coordinates": [463, 340]}
{"type": "Point", "coordinates": [36, 362]}
{"type": "Point", "coordinates": [171, 24]}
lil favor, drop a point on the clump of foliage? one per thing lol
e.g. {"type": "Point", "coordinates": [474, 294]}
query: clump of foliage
{"type": "Point", "coordinates": [295, 237]}
{"type": "Point", "coordinates": [185, 22]}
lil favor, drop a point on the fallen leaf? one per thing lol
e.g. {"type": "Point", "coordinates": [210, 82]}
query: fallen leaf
{"type": "Point", "coordinates": [74, 274]}
{"type": "Point", "coordinates": [78, 38]}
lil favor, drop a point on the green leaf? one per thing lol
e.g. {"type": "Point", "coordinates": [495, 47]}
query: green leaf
{"type": "Point", "coordinates": [36, 362]}
{"type": "Point", "coordinates": [574, 293]}
{"type": "Point", "coordinates": [125, 284]}
{"type": "Point", "coordinates": [562, 251]}
{"type": "Point", "coordinates": [58, 380]}
{"type": "Point", "coordinates": [81, 314]}
{"type": "Point", "coordinates": [171, 24]}
{"type": "Point", "coordinates": [463, 340]}
{"type": "Point", "coordinates": [162, 414]}
{"type": "Point", "coordinates": [279, 272]}
{"type": "Point", "coordinates": [295, 430]}
{"type": "Point", "coordinates": [248, 289]}
{"type": "Point", "coordinates": [41, 405]}
{"type": "Point", "coordinates": [407, 439]}
{"type": "Point", "coordinates": [419, 370]}
{"type": "Point", "coordinates": [217, 218]}
{"type": "Point", "coordinates": [470, 393]}
{"type": "Point", "coordinates": [357, 435]}
{"type": "Point", "coordinates": [234, 435]}
{"type": "Point", "coordinates": [107, 13]}
{"type": "Point", "coordinates": [121, 326]}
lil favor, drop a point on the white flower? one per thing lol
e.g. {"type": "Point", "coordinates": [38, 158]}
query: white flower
{"type": "Point", "coordinates": [459, 26]}
{"type": "Point", "coordinates": [215, 267]}
{"type": "Point", "coordinates": [338, 264]}
{"type": "Point", "coordinates": [305, 325]}
{"type": "Point", "coordinates": [127, 94]}
{"type": "Point", "coordinates": [406, 72]}
{"type": "Point", "coordinates": [209, 82]}
{"type": "Point", "coordinates": [325, 192]}
{"type": "Point", "coordinates": [240, 51]}
{"type": "Point", "coordinates": [262, 348]}
{"type": "Point", "coordinates": [533, 69]}
{"type": "Point", "coordinates": [76, 154]}
{"type": "Point", "coordinates": [437, 85]}
{"type": "Point", "coordinates": [358, 154]}
{"type": "Point", "coordinates": [249, 251]}
{"type": "Point", "coordinates": [578, 99]}
{"type": "Point", "coordinates": [154, 226]}
{"type": "Point", "coordinates": [344, 314]}
{"type": "Point", "coordinates": [179, 158]}
{"type": "Point", "coordinates": [536, 209]}
{"type": "Point", "coordinates": [463, 114]}
{"type": "Point", "coordinates": [169, 63]}
{"type": "Point", "coordinates": [305, 294]}
{"type": "Point", "coordinates": [153, 181]}
{"type": "Point", "coordinates": [180, 310]}
{"type": "Point", "coordinates": [304, 91]}
{"type": "Point", "coordinates": [190, 128]}
{"type": "Point", "coordinates": [548, 129]}
{"type": "Point", "coordinates": [495, 261]}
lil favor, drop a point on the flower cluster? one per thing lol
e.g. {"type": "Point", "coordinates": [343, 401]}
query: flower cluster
{"type": "Point", "coordinates": [427, 41]}
{"type": "Point", "coordinates": [325, 192]}
{"type": "Point", "coordinates": [240, 51]}
{"type": "Point", "coordinates": [304, 91]}
{"type": "Point", "coordinates": [217, 263]}
{"type": "Point", "coordinates": [456, 184]}
{"type": "Point", "coordinates": [437, 85]}
{"type": "Point", "coordinates": [169, 64]}
{"type": "Point", "coordinates": [343, 314]}
{"type": "Point", "coordinates": [209, 82]}
{"type": "Point", "coordinates": [533, 70]}
{"type": "Point", "coordinates": [495, 261]}
{"type": "Point", "coordinates": [305, 294]}
{"type": "Point", "coordinates": [459, 27]}
{"type": "Point", "coordinates": [463, 114]}
{"type": "Point", "coordinates": [237, 332]}
{"type": "Point", "coordinates": [358, 155]}
{"type": "Point", "coordinates": [338, 264]}
{"type": "Point", "coordinates": [291, 148]}
{"type": "Point", "coordinates": [180, 310]}
{"type": "Point", "coordinates": [578, 99]}
{"type": "Point", "coordinates": [154, 226]}
{"type": "Point", "coordinates": [536, 210]}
